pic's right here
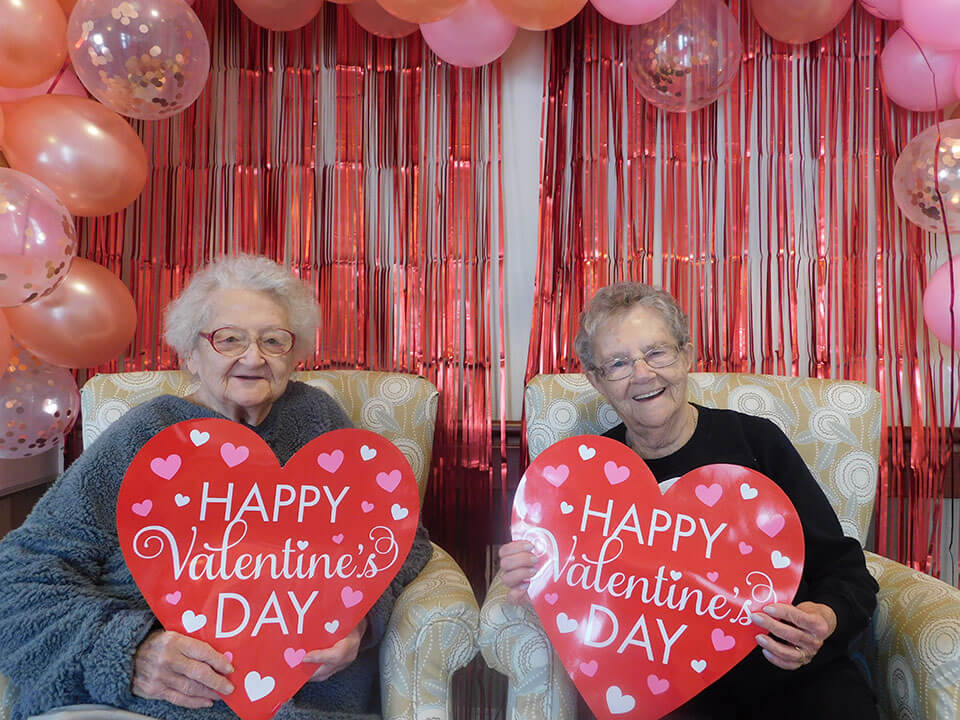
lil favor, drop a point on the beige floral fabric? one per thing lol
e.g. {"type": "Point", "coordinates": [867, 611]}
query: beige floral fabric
{"type": "Point", "coordinates": [433, 629]}
{"type": "Point", "coordinates": [835, 426]}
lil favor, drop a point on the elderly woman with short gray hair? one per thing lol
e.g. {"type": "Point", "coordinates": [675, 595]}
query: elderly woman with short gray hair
{"type": "Point", "coordinates": [74, 628]}
{"type": "Point", "coordinates": [634, 346]}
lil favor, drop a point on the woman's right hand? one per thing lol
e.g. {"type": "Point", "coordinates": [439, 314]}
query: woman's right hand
{"type": "Point", "coordinates": [517, 565]}
{"type": "Point", "coordinates": [180, 669]}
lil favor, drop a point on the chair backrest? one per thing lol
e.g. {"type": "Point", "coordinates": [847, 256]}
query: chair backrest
{"type": "Point", "coordinates": [402, 408]}
{"type": "Point", "coordinates": [834, 424]}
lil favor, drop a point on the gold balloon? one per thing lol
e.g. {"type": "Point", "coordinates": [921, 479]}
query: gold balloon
{"type": "Point", "coordinates": [33, 41]}
{"type": "Point", "coordinates": [539, 14]}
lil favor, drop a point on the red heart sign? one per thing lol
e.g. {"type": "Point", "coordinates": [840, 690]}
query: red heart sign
{"type": "Point", "coordinates": [263, 561]}
{"type": "Point", "coordinates": [646, 596]}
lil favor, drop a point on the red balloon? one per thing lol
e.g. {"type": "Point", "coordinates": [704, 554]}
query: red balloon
{"type": "Point", "coordinates": [374, 19]}
{"type": "Point", "coordinates": [33, 42]}
{"type": "Point", "coordinates": [88, 155]}
{"type": "Point", "coordinates": [280, 14]}
{"type": "Point", "coordinates": [539, 14]}
{"type": "Point", "coordinates": [723, 536]}
{"type": "Point", "coordinates": [87, 321]}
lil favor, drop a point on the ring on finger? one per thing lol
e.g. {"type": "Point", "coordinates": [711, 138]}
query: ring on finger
{"type": "Point", "coordinates": [803, 654]}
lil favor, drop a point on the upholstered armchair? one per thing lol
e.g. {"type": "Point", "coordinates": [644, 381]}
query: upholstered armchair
{"type": "Point", "coordinates": [913, 646]}
{"type": "Point", "coordinates": [433, 629]}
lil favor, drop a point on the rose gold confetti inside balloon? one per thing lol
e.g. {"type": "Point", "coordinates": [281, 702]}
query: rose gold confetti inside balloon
{"type": "Point", "coordinates": [146, 59]}
{"type": "Point", "coordinates": [921, 168]}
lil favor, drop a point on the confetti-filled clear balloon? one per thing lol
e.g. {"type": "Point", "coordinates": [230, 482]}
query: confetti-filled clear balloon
{"type": "Point", "coordinates": [38, 405]}
{"type": "Point", "coordinates": [686, 58]}
{"type": "Point", "coordinates": [146, 59]}
{"type": "Point", "coordinates": [37, 239]}
{"type": "Point", "coordinates": [921, 168]}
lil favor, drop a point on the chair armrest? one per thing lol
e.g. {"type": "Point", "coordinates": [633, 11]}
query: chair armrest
{"type": "Point", "coordinates": [7, 697]}
{"type": "Point", "coordinates": [432, 632]}
{"type": "Point", "coordinates": [914, 647]}
{"type": "Point", "coordinates": [513, 642]}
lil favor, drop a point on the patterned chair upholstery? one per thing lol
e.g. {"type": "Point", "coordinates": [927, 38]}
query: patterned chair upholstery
{"type": "Point", "coordinates": [913, 647]}
{"type": "Point", "coordinates": [433, 629]}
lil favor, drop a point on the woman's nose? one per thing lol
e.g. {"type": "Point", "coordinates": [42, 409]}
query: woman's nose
{"type": "Point", "coordinates": [253, 355]}
{"type": "Point", "coordinates": [640, 367]}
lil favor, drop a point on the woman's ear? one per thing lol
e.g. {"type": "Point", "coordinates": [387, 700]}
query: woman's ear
{"type": "Point", "coordinates": [689, 355]}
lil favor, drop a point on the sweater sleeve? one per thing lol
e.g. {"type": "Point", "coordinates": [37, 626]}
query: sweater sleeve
{"type": "Point", "coordinates": [834, 565]}
{"type": "Point", "coordinates": [63, 637]}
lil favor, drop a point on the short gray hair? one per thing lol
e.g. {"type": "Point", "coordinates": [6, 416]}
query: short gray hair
{"type": "Point", "coordinates": [188, 314]}
{"type": "Point", "coordinates": [619, 299]}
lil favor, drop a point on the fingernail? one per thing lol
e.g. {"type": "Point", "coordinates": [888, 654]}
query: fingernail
{"type": "Point", "coordinates": [230, 669]}
{"type": "Point", "coordinates": [761, 639]}
{"type": "Point", "coordinates": [755, 618]}
{"type": "Point", "coordinates": [770, 610]}
{"type": "Point", "coordinates": [528, 546]}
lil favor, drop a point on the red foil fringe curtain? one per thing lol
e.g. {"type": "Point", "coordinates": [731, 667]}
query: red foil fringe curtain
{"type": "Point", "coordinates": [371, 168]}
{"type": "Point", "coordinates": [770, 216]}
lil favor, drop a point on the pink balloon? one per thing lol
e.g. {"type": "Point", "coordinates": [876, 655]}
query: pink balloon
{"type": "Point", "coordinates": [146, 59]}
{"type": "Point", "coordinates": [907, 79]}
{"type": "Point", "coordinates": [938, 301]}
{"type": "Point", "coordinates": [925, 166]}
{"type": "Point", "coordinates": [686, 58]}
{"type": "Point", "coordinates": [800, 22]}
{"type": "Point", "coordinates": [956, 80]}
{"type": "Point", "coordinates": [6, 344]}
{"type": "Point", "coordinates": [65, 83]}
{"type": "Point", "coordinates": [374, 19]}
{"type": "Point", "coordinates": [40, 405]}
{"type": "Point", "coordinates": [883, 9]}
{"type": "Point", "coordinates": [281, 15]}
{"type": "Point", "coordinates": [933, 22]}
{"type": "Point", "coordinates": [632, 12]}
{"type": "Point", "coordinates": [37, 239]}
{"type": "Point", "coordinates": [476, 34]}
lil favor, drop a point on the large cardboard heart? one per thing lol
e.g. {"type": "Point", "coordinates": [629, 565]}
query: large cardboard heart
{"type": "Point", "coordinates": [261, 561]}
{"type": "Point", "coordinates": [646, 596]}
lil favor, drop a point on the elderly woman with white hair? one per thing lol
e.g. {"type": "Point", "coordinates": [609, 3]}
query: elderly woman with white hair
{"type": "Point", "coordinates": [74, 628]}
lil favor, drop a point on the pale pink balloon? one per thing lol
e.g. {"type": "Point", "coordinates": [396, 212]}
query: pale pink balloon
{"type": "Point", "coordinates": [933, 22]}
{"type": "Point", "coordinates": [65, 83]}
{"type": "Point", "coordinates": [926, 167]}
{"type": "Point", "coordinates": [632, 12]}
{"type": "Point", "coordinates": [41, 403]}
{"type": "Point", "coordinates": [374, 19]}
{"type": "Point", "coordinates": [37, 239]}
{"type": "Point", "coordinates": [281, 15]}
{"type": "Point", "coordinates": [883, 9]}
{"type": "Point", "coordinates": [956, 81]}
{"type": "Point", "coordinates": [476, 34]}
{"type": "Point", "coordinates": [146, 59]}
{"type": "Point", "coordinates": [938, 301]}
{"type": "Point", "coordinates": [799, 21]}
{"type": "Point", "coordinates": [907, 77]}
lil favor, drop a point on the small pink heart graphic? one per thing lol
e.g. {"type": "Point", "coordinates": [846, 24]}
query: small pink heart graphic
{"type": "Point", "coordinates": [744, 548]}
{"type": "Point", "coordinates": [616, 474]}
{"type": "Point", "coordinates": [709, 495]}
{"type": "Point", "coordinates": [657, 685]}
{"type": "Point", "coordinates": [366, 506]}
{"type": "Point", "coordinates": [770, 525]}
{"type": "Point", "coordinates": [142, 508]}
{"type": "Point", "coordinates": [338, 538]}
{"type": "Point", "coordinates": [293, 657]}
{"type": "Point", "coordinates": [713, 576]}
{"type": "Point", "coordinates": [166, 467]}
{"type": "Point", "coordinates": [551, 598]}
{"type": "Point", "coordinates": [331, 461]}
{"type": "Point", "coordinates": [350, 597]}
{"type": "Point", "coordinates": [173, 598]}
{"type": "Point", "coordinates": [722, 641]}
{"type": "Point", "coordinates": [233, 455]}
{"type": "Point", "coordinates": [389, 481]}
{"type": "Point", "coordinates": [589, 668]}
{"type": "Point", "coordinates": [556, 476]}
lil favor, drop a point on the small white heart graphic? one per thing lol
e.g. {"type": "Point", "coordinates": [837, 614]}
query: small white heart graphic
{"type": "Point", "coordinates": [566, 508]}
{"type": "Point", "coordinates": [747, 492]}
{"type": "Point", "coordinates": [192, 621]}
{"type": "Point", "coordinates": [675, 575]}
{"type": "Point", "coordinates": [566, 624]}
{"type": "Point", "coordinates": [698, 665]}
{"type": "Point", "coordinates": [618, 702]}
{"type": "Point", "coordinates": [302, 544]}
{"type": "Point", "coordinates": [779, 560]}
{"type": "Point", "coordinates": [257, 686]}
{"type": "Point", "coordinates": [181, 500]}
{"type": "Point", "coordinates": [368, 453]}
{"type": "Point", "coordinates": [199, 438]}
{"type": "Point", "coordinates": [586, 452]}
{"type": "Point", "coordinates": [331, 627]}
{"type": "Point", "coordinates": [399, 512]}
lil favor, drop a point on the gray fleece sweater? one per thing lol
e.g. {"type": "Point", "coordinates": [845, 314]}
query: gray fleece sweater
{"type": "Point", "coordinates": [71, 616]}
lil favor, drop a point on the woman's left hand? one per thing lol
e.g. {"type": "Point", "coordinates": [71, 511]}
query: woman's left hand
{"type": "Point", "coordinates": [797, 632]}
{"type": "Point", "coordinates": [336, 658]}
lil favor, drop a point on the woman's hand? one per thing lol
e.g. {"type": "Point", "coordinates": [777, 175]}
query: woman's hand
{"type": "Point", "coordinates": [336, 658]}
{"type": "Point", "coordinates": [797, 632]}
{"type": "Point", "coordinates": [517, 565]}
{"type": "Point", "coordinates": [179, 669]}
